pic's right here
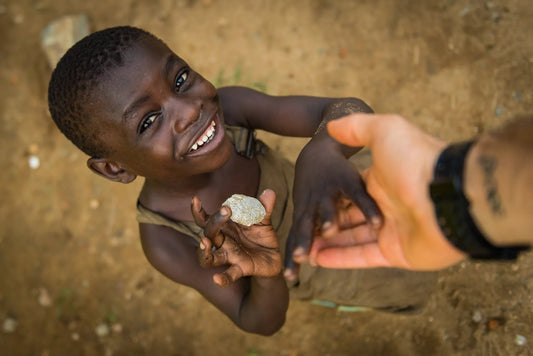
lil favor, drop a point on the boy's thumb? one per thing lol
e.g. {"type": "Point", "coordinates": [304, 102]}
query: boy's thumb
{"type": "Point", "coordinates": [353, 130]}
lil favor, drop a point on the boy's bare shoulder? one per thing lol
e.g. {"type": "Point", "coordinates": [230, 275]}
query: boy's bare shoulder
{"type": "Point", "coordinates": [169, 251]}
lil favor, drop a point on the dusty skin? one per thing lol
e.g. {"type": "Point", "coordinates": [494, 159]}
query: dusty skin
{"type": "Point", "coordinates": [69, 251]}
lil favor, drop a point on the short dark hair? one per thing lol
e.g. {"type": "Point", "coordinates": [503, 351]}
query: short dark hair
{"type": "Point", "coordinates": [75, 77]}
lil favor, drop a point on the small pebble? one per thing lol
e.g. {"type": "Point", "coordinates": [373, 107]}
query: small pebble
{"type": "Point", "coordinates": [75, 336]}
{"type": "Point", "coordinates": [245, 210]}
{"type": "Point", "coordinates": [18, 19]}
{"type": "Point", "coordinates": [493, 324]}
{"type": "Point", "coordinates": [10, 325]}
{"type": "Point", "coordinates": [102, 330]}
{"type": "Point", "coordinates": [33, 149]}
{"type": "Point", "coordinates": [44, 298]}
{"type": "Point", "coordinates": [477, 316]}
{"type": "Point", "coordinates": [499, 111]}
{"type": "Point", "coordinates": [117, 328]}
{"type": "Point", "coordinates": [34, 162]}
{"type": "Point", "coordinates": [94, 204]}
{"type": "Point", "coordinates": [520, 340]}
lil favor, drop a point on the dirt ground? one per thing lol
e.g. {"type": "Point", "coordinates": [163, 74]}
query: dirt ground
{"type": "Point", "coordinates": [74, 280]}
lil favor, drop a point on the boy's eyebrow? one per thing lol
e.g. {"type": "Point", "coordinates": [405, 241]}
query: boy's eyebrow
{"type": "Point", "coordinates": [172, 59]}
{"type": "Point", "coordinates": [133, 107]}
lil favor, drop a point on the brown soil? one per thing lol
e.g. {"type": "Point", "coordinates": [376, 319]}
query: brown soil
{"type": "Point", "coordinates": [69, 247]}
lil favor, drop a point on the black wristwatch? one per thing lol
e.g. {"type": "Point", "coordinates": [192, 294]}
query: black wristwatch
{"type": "Point", "coordinates": [452, 208]}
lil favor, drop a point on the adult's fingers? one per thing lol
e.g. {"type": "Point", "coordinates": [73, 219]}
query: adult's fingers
{"type": "Point", "coordinates": [358, 235]}
{"type": "Point", "coordinates": [355, 129]}
{"type": "Point", "coordinates": [361, 256]}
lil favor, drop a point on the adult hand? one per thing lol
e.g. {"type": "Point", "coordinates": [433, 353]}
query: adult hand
{"type": "Point", "coordinates": [403, 161]}
{"type": "Point", "coordinates": [248, 250]}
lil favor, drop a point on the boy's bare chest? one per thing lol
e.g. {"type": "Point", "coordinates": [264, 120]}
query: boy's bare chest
{"type": "Point", "coordinates": [241, 177]}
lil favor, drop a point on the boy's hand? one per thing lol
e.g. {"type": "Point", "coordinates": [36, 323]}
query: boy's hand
{"type": "Point", "coordinates": [324, 178]}
{"type": "Point", "coordinates": [403, 162]}
{"type": "Point", "coordinates": [248, 250]}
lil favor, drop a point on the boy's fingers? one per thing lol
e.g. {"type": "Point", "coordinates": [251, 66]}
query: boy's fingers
{"type": "Point", "coordinates": [365, 203]}
{"type": "Point", "coordinates": [327, 214]}
{"type": "Point", "coordinates": [215, 224]}
{"type": "Point", "coordinates": [353, 130]}
{"type": "Point", "coordinates": [233, 273]}
{"type": "Point", "coordinates": [302, 237]}
{"type": "Point", "coordinates": [220, 257]}
{"type": "Point", "coordinates": [198, 212]}
{"type": "Point", "coordinates": [205, 257]}
{"type": "Point", "coordinates": [268, 199]}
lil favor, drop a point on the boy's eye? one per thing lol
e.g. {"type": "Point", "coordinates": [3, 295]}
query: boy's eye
{"type": "Point", "coordinates": [147, 122]}
{"type": "Point", "coordinates": [181, 78]}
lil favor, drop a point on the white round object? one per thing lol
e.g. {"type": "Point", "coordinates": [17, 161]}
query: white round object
{"type": "Point", "coordinates": [34, 162]}
{"type": "Point", "coordinates": [245, 210]}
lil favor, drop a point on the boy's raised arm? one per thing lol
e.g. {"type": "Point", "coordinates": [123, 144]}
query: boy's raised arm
{"type": "Point", "coordinates": [323, 174]}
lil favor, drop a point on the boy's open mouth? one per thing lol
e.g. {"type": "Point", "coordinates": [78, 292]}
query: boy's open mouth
{"type": "Point", "coordinates": [205, 137]}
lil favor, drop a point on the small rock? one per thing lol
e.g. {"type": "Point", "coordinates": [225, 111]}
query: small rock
{"type": "Point", "coordinates": [94, 204]}
{"type": "Point", "coordinates": [34, 162]}
{"type": "Point", "coordinates": [117, 328]}
{"type": "Point", "coordinates": [520, 340]}
{"type": "Point", "coordinates": [10, 325]}
{"type": "Point", "coordinates": [102, 330]}
{"type": "Point", "coordinates": [477, 316]}
{"type": "Point", "coordinates": [75, 336]}
{"type": "Point", "coordinates": [498, 111]}
{"type": "Point", "coordinates": [58, 36]}
{"type": "Point", "coordinates": [245, 210]}
{"type": "Point", "coordinates": [33, 149]}
{"type": "Point", "coordinates": [18, 19]}
{"type": "Point", "coordinates": [44, 298]}
{"type": "Point", "coordinates": [493, 324]}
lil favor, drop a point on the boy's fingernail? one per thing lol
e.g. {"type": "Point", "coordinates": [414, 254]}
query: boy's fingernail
{"type": "Point", "coordinates": [202, 246]}
{"type": "Point", "coordinates": [288, 274]}
{"type": "Point", "coordinates": [224, 211]}
{"type": "Point", "coordinates": [376, 222]}
{"type": "Point", "coordinates": [299, 251]}
{"type": "Point", "coordinates": [327, 225]}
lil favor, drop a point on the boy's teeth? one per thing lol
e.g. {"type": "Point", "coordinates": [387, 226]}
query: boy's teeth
{"type": "Point", "coordinates": [209, 133]}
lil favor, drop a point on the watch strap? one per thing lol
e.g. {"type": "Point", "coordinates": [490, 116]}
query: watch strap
{"type": "Point", "coordinates": [452, 208]}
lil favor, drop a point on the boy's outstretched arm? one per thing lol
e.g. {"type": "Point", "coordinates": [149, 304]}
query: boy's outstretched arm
{"type": "Point", "coordinates": [323, 174]}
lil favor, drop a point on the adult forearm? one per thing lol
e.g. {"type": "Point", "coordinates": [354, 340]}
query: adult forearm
{"type": "Point", "coordinates": [264, 307]}
{"type": "Point", "coordinates": [498, 179]}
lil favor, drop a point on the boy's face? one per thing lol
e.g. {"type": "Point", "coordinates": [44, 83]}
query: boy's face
{"type": "Point", "coordinates": [158, 117]}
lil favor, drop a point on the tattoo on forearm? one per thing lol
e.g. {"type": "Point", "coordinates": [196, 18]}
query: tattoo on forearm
{"type": "Point", "coordinates": [489, 164]}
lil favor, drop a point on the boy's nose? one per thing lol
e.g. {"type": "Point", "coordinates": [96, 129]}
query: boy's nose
{"type": "Point", "coordinates": [186, 114]}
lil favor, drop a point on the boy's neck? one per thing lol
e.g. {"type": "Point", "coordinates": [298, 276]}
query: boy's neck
{"type": "Point", "coordinates": [238, 175]}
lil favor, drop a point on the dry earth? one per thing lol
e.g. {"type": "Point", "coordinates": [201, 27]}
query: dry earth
{"type": "Point", "coordinates": [69, 250]}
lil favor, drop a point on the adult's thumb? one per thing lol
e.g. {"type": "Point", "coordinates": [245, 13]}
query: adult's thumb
{"type": "Point", "coordinates": [353, 130]}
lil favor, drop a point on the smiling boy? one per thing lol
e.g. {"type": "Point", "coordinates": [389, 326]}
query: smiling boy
{"type": "Point", "coordinates": [137, 109]}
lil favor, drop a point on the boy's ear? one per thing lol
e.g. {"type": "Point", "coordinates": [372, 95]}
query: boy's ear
{"type": "Point", "coordinates": [110, 169]}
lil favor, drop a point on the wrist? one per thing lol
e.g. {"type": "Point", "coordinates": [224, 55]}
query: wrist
{"type": "Point", "coordinates": [452, 208]}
